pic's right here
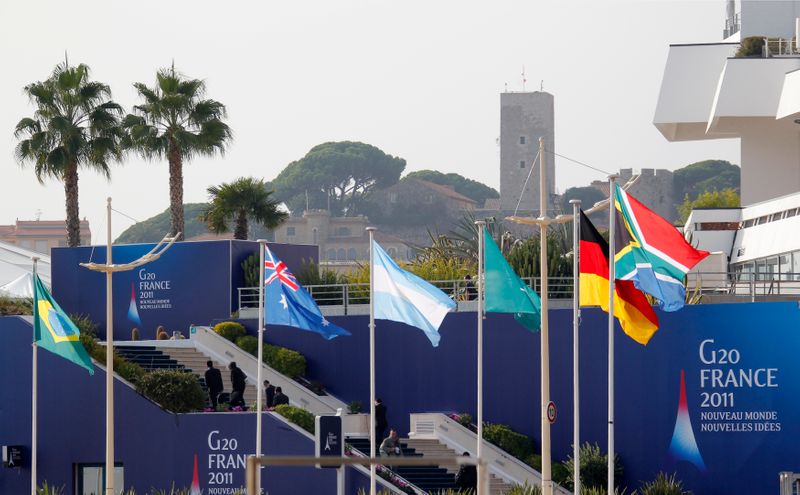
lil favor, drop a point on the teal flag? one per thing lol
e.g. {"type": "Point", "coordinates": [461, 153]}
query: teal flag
{"type": "Point", "coordinates": [505, 291]}
{"type": "Point", "coordinates": [54, 331]}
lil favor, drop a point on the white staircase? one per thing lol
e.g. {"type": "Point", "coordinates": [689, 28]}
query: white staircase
{"type": "Point", "coordinates": [439, 427]}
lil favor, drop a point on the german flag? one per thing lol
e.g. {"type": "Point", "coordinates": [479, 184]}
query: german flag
{"type": "Point", "coordinates": [631, 307]}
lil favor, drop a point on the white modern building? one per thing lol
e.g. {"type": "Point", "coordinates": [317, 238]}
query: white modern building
{"type": "Point", "coordinates": [708, 92]}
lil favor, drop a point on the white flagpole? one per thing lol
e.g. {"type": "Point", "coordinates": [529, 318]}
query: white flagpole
{"type": "Point", "coordinates": [34, 389]}
{"type": "Point", "coordinates": [481, 297]}
{"type": "Point", "coordinates": [612, 209]}
{"type": "Point", "coordinates": [259, 374]}
{"type": "Point", "coordinates": [547, 480]}
{"type": "Point", "coordinates": [109, 363]}
{"type": "Point", "coordinates": [576, 319]}
{"type": "Point", "coordinates": [372, 439]}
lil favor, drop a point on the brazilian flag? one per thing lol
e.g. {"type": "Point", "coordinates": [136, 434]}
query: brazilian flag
{"type": "Point", "coordinates": [54, 331]}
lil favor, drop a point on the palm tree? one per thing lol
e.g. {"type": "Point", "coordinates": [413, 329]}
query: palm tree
{"type": "Point", "coordinates": [177, 122]}
{"type": "Point", "coordinates": [243, 199]}
{"type": "Point", "coordinates": [75, 125]}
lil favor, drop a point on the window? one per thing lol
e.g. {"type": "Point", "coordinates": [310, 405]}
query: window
{"type": "Point", "coordinates": [290, 231]}
{"type": "Point", "coordinates": [331, 254]}
{"type": "Point", "coordinates": [343, 232]}
{"type": "Point", "coordinates": [749, 223]}
{"type": "Point", "coordinates": [392, 252]}
{"type": "Point", "coordinates": [522, 140]}
{"type": "Point", "coordinates": [92, 479]}
{"type": "Point", "coordinates": [25, 243]}
{"type": "Point", "coordinates": [791, 213]}
{"type": "Point", "coordinates": [42, 247]}
{"type": "Point", "coordinates": [762, 220]}
{"type": "Point", "coordinates": [776, 216]}
{"type": "Point", "coordinates": [341, 254]}
{"type": "Point", "coordinates": [393, 197]}
{"type": "Point", "coordinates": [351, 254]}
{"type": "Point", "coordinates": [522, 164]}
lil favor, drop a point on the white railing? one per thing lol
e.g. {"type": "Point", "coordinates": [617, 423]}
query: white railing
{"type": "Point", "coordinates": [352, 299]}
{"type": "Point", "coordinates": [789, 482]}
{"type": "Point", "coordinates": [222, 350]}
{"type": "Point", "coordinates": [437, 426]}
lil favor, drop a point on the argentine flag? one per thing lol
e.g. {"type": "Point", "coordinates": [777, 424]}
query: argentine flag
{"type": "Point", "coordinates": [404, 297]}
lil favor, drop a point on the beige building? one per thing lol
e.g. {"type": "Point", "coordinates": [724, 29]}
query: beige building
{"type": "Point", "coordinates": [340, 239]}
{"type": "Point", "coordinates": [41, 235]}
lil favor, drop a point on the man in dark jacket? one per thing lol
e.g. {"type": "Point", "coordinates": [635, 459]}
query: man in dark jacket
{"type": "Point", "coordinates": [238, 381]}
{"type": "Point", "coordinates": [380, 422]}
{"type": "Point", "coordinates": [280, 398]}
{"type": "Point", "coordinates": [269, 394]}
{"type": "Point", "coordinates": [214, 383]}
{"type": "Point", "coordinates": [467, 477]}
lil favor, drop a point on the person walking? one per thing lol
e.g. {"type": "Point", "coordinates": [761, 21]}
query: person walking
{"type": "Point", "coordinates": [467, 476]}
{"type": "Point", "coordinates": [269, 394]}
{"type": "Point", "coordinates": [280, 398]}
{"type": "Point", "coordinates": [214, 383]}
{"type": "Point", "coordinates": [380, 422]}
{"type": "Point", "coordinates": [238, 382]}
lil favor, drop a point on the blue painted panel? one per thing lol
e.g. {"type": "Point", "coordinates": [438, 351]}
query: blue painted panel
{"type": "Point", "coordinates": [156, 448]}
{"type": "Point", "coordinates": [744, 432]}
{"type": "Point", "coordinates": [192, 283]}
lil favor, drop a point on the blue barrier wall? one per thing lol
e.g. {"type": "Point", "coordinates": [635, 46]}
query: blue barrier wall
{"type": "Point", "coordinates": [192, 283]}
{"type": "Point", "coordinates": [737, 431]}
{"type": "Point", "coordinates": [155, 447]}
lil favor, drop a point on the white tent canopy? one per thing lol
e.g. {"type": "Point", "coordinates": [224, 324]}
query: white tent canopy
{"type": "Point", "coordinates": [16, 268]}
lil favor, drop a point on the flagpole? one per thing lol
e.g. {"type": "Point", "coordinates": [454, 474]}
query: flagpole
{"type": "Point", "coordinates": [612, 209]}
{"type": "Point", "coordinates": [372, 439]}
{"type": "Point", "coordinates": [576, 317]}
{"type": "Point", "coordinates": [34, 387]}
{"type": "Point", "coordinates": [109, 363]}
{"type": "Point", "coordinates": [547, 481]}
{"type": "Point", "coordinates": [259, 374]}
{"type": "Point", "coordinates": [481, 296]}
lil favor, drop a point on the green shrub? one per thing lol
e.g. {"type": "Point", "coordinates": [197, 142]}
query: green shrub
{"type": "Point", "coordinates": [231, 330]}
{"type": "Point", "coordinates": [46, 489]}
{"type": "Point", "coordinates": [509, 440]}
{"type": "Point", "coordinates": [250, 270]}
{"type": "Point", "coordinates": [248, 344]}
{"type": "Point", "coordinates": [131, 372]}
{"type": "Point", "coordinates": [85, 325]}
{"type": "Point", "coordinates": [525, 489]}
{"type": "Point", "coordinates": [560, 473]}
{"type": "Point", "coordinates": [10, 306]}
{"type": "Point", "coordinates": [465, 420]}
{"type": "Point", "coordinates": [534, 461]}
{"type": "Point", "coordinates": [664, 484]}
{"type": "Point", "coordinates": [354, 407]}
{"type": "Point", "coordinates": [594, 468]}
{"type": "Point", "coordinates": [751, 46]}
{"type": "Point", "coordinates": [176, 391]}
{"type": "Point", "coordinates": [290, 363]}
{"type": "Point", "coordinates": [298, 416]}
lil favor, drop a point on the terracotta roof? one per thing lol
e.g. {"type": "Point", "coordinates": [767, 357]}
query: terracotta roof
{"type": "Point", "coordinates": [446, 191]}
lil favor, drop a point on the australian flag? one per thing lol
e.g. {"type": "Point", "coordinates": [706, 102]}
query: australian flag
{"type": "Point", "coordinates": [287, 303]}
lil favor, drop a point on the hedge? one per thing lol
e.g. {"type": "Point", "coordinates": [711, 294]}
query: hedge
{"type": "Point", "coordinates": [509, 440]}
{"type": "Point", "coordinates": [176, 391]}
{"type": "Point", "coordinates": [298, 416]}
{"type": "Point", "coordinates": [290, 363]}
{"type": "Point", "coordinates": [231, 330]}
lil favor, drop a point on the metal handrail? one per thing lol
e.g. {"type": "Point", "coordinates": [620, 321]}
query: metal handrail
{"type": "Point", "coordinates": [737, 284]}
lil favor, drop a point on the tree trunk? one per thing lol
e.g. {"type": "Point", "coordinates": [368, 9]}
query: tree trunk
{"type": "Point", "coordinates": [176, 189]}
{"type": "Point", "coordinates": [71, 194]}
{"type": "Point", "coordinates": [241, 226]}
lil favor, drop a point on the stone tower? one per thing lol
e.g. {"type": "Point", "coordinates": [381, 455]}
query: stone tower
{"type": "Point", "coordinates": [524, 117]}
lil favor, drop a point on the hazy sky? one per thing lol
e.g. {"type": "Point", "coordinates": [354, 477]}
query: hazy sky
{"type": "Point", "coordinates": [419, 79]}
